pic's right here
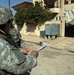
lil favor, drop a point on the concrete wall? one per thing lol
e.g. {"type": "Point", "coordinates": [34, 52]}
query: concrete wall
{"type": "Point", "coordinates": [35, 30]}
{"type": "Point", "coordinates": [69, 6]}
{"type": "Point", "coordinates": [31, 29]}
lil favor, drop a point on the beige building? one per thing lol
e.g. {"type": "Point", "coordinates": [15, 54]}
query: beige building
{"type": "Point", "coordinates": [62, 9]}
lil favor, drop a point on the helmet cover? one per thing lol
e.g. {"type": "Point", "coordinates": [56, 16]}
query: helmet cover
{"type": "Point", "coordinates": [5, 15]}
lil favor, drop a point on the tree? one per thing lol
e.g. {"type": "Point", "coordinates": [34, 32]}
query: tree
{"type": "Point", "coordinates": [33, 15]}
{"type": "Point", "coordinates": [20, 16]}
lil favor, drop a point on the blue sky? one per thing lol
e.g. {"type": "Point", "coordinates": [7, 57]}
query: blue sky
{"type": "Point", "coordinates": [12, 3]}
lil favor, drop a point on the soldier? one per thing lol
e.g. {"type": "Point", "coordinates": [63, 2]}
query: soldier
{"type": "Point", "coordinates": [16, 36]}
{"type": "Point", "coordinates": [13, 60]}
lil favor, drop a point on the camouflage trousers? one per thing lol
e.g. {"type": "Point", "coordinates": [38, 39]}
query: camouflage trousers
{"type": "Point", "coordinates": [2, 72]}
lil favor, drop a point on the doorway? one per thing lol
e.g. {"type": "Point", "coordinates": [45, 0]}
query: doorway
{"type": "Point", "coordinates": [69, 30]}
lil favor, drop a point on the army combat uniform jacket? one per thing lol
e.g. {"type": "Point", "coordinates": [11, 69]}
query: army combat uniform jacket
{"type": "Point", "coordinates": [11, 59]}
{"type": "Point", "coordinates": [16, 36]}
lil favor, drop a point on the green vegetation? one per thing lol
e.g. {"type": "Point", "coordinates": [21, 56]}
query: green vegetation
{"type": "Point", "coordinates": [20, 17]}
{"type": "Point", "coordinates": [32, 15]}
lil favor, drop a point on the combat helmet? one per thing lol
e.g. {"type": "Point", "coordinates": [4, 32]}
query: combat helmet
{"type": "Point", "coordinates": [5, 15]}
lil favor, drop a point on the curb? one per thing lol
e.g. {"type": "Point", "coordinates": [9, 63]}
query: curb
{"type": "Point", "coordinates": [42, 43]}
{"type": "Point", "coordinates": [51, 46]}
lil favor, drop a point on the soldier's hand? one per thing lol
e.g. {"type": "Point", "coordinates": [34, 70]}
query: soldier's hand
{"type": "Point", "coordinates": [34, 52]}
{"type": "Point", "coordinates": [28, 51]}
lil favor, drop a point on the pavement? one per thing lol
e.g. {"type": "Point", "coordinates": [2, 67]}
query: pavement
{"type": "Point", "coordinates": [58, 43]}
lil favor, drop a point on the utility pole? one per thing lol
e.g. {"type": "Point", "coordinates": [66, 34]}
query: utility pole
{"type": "Point", "coordinates": [25, 0]}
{"type": "Point", "coordinates": [9, 4]}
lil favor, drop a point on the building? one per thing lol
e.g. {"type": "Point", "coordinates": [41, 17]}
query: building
{"type": "Point", "coordinates": [22, 5]}
{"type": "Point", "coordinates": [63, 11]}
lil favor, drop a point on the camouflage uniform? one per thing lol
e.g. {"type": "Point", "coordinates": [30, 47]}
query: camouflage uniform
{"type": "Point", "coordinates": [11, 59]}
{"type": "Point", "coordinates": [16, 36]}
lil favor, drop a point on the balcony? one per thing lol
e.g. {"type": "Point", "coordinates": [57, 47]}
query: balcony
{"type": "Point", "coordinates": [53, 10]}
